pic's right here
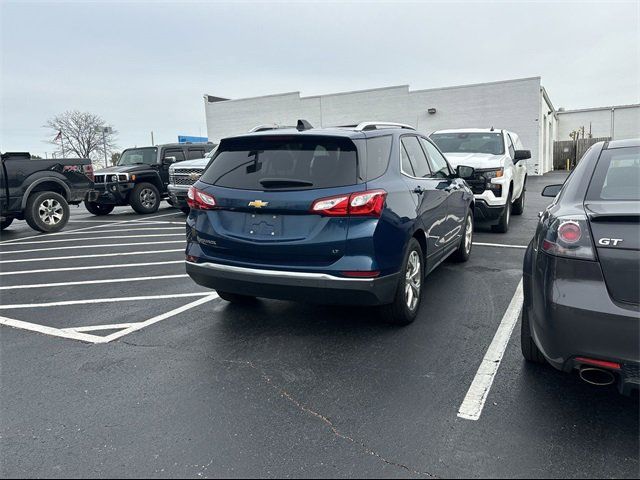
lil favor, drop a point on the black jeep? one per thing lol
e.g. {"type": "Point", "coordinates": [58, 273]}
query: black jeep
{"type": "Point", "coordinates": [141, 176]}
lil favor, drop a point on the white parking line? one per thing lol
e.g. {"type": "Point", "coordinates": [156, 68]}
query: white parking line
{"type": "Point", "coordinates": [96, 328]}
{"type": "Point", "coordinates": [90, 267]}
{"type": "Point", "coordinates": [112, 230]}
{"type": "Point", "coordinates": [101, 300]}
{"type": "Point", "coordinates": [473, 403]}
{"type": "Point", "coordinates": [77, 247]}
{"type": "Point", "coordinates": [92, 256]}
{"type": "Point", "coordinates": [92, 282]}
{"type": "Point", "coordinates": [499, 245]}
{"type": "Point", "coordinates": [56, 332]}
{"type": "Point", "coordinates": [117, 237]}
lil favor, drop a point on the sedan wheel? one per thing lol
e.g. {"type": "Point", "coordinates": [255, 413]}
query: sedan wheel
{"type": "Point", "coordinates": [413, 281]}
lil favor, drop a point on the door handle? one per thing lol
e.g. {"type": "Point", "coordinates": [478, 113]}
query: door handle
{"type": "Point", "coordinates": [419, 190]}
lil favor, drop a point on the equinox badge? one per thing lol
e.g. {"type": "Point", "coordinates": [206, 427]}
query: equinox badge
{"type": "Point", "coordinates": [258, 204]}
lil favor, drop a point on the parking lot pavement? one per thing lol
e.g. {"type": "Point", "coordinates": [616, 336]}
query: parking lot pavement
{"type": "Point", "coordinates": [121, 366]}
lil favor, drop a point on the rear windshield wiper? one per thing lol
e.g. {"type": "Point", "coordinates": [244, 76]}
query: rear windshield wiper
{"type": "Point", "coordinates": [284, 183]}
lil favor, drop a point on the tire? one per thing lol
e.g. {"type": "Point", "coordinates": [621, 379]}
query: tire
{"type": "Point", "coordinates": [403, 310]}
{"type": "Point", "coordinates": [235, 298]}
{"type": "Point", "coordinates": [463, 252]}
{"type": "Point", "coordinates": [518, 205]}
{"type": "Point", "coordinates": [530, 350]}
{"type": "Point", "coordinates": [99, 209]}
{"type": "Point", "coordinates": [185, 210]}
{"type": "Point", "coordinates": [145, 198]}
{"type": "Point", "coordinates": [505, 218]}
{"type": "Point", "coordinates": [47, 212]}
{"type": "Point", "coordinates": [5, 223]}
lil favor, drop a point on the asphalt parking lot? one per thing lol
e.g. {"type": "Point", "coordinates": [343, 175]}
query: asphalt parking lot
{"type": "Point", "coordinates": [115, 364]}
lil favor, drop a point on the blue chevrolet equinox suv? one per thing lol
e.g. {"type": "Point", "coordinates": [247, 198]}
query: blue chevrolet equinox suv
{"type": "Point", "coordinates": [353, 215]}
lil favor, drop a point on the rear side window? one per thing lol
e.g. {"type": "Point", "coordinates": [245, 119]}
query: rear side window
{"type": "Point", "coordinates": [194, 153]}
{"type": "Point", "coordinates": [284, 163]}
{"type": "Point", "coordinates": [378, 153]}
{"type": "Point", "coordinates": [617, 175]}
{"type": "Point", "coordinates": [177, 153]}
{"type": "Point", "coordinates": [416, 156]}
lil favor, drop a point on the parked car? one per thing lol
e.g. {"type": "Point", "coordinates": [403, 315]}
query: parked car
{"type": "Point", "coordinates": [500, 181]}
{"type": "Point", "coordinates": [141, 176]}
{"type": "Point", "coordinates": [184, 174]}
{"type": "Point", "coordinates": [40, 191]}
{"type": "Point", "coordinates": [582, 271]}
{"type": "Point", "coordinates": [353, 215]}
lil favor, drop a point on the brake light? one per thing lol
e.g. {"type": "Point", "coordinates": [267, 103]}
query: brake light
{"type": "Point", "coordinates": [88, 171]}
{"type": "Point", "coordinates": [361, 204]}
{"type": "Point", "coordinates": [568, 237]}
{"type": "Point", "coordinates": [198, 200]}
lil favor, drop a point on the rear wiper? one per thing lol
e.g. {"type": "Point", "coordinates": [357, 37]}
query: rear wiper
{"type": "Point", "coordinates": [284, 183]}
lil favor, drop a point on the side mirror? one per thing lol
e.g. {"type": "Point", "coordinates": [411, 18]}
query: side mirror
{"type": "Point", "coordinates": [551, 190]}
{"type": "Point", "coordinates": [169, 160]}
{"type": "Point", "coordinates": [465, 172]}
{"type": "Point", "coordinates": [521, 155]}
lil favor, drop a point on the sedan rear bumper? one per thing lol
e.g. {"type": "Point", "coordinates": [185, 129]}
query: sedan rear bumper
{"type": "Point", "coordinates": [291, 285]}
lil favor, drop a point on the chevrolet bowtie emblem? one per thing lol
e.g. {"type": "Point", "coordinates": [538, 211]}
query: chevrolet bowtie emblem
{"type": "Point", "coordinates": [258, 204]}
{"type": "Point", "coordinates": [194, 176]}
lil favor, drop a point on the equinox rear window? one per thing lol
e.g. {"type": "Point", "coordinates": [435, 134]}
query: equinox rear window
{"type": "Point", "coordinates": [284, 163]}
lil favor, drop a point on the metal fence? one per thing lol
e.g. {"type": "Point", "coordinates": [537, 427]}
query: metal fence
{"type": "Point", "coordinates": [567, 153]}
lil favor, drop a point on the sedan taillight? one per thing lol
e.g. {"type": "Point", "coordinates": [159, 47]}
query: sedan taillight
{"type": "Point", "coordinates": [199, 200]}
{"type": "Point", "coordinates": [360, 204]}
{"type": "Point", "coordinates": [569, 237]}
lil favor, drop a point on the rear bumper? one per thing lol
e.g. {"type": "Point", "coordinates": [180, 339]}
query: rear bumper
{"type": "Point", "coordinates": [483, 212]}
{"type": "Point", "coordinates": [572, 315]}
{"type": "Point", "coordinates": [296, 286]}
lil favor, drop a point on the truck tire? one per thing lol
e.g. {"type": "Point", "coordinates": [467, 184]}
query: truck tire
{"type": "Point", "coordinates": [405, 305]}
{"type": "Point", "coordinates": [185, 210]}
{"type": "Point", "coordinates": [518, 205]}
{"type": "Point", "coordinates": [145, 198]}
{"type": "Point", "coordinates": [530, 350]}
{"type": "Point", "coordinates": [99, 209]}
{"type": "Point", "coordinates": [46, 212]}
{"type": "Point", "coordinates": [5, 223]}
{"type": "Point", "coordinates": [505, 218]}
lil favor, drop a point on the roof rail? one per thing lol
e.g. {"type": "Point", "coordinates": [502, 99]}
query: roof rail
{"type": "Point", "coordinates": [263, 127]}
{"type": "Point", "coordinates": [378, 125]}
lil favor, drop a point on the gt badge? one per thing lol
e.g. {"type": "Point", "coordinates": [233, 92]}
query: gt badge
{"type": "Point", "coordinates": [258, 204]}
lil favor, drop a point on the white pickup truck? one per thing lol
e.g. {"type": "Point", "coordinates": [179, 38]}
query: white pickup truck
{"type": "Point", "coordinates": [499, 159]}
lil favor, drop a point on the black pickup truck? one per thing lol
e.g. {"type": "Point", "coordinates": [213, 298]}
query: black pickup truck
{"type": "Point", "coordinates": [141, 177]}
{"type": "Point", "coordinates": [40, 191]}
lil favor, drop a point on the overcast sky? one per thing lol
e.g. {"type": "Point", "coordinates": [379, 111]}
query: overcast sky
{"type": "Point", "coordinates": [144, 66]}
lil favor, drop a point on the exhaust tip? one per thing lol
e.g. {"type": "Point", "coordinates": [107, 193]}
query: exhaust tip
{"type": "Point", "coordinates": [597, 376]}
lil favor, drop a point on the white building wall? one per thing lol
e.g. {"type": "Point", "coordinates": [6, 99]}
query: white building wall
{"type": "Point", "coordinates": [513, 105]}
{"type": "Point", "coordinates": [626, 122]}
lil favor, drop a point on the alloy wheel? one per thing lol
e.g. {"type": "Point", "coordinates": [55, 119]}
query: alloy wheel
{"type": "Point", "coordinates": [50, 211]}
{"type": "Point", "coordinates": [147, 198]}
{"type": "Point", "coordinates": [468, 235]}
{"type": "Point", "coordinates": [413, 280]}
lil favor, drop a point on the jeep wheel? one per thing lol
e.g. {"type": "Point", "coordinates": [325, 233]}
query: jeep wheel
{"type": "Point", "coordinates": [145, 198]}
{"type": "Point", "coordinates": [505, 218]}
{"type": "Point", "coordinates": [5, 222]}
{"type": "Point", "coordinates": [99, 209]}
{"type": "Point", "coordinates": [47, 212]}
{"type": "Point", "coordinates": [405, 306]}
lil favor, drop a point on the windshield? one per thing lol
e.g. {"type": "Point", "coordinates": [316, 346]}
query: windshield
{"type": "Point", "coordinates": [279, 162]}
{"type": "Point", "coordinates": [462, 142]}
{"type": "Point", "coordinates": [135, 156]}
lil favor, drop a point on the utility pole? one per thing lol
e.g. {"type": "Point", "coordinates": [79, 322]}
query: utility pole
{"type": "Point", "coordinates": [152, 142]}
{"type": "Point", "coordinates": [104, 131]}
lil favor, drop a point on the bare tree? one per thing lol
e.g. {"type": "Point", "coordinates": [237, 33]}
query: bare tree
{"type": "Point", "coordinates": [76, 135]}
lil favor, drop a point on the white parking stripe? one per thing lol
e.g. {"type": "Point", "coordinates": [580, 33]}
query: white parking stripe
{"type": "Point", "coordinates": [96, 328]}
{"type": "Point", "coordinates": [100, 224]}
{"type": "Point", "coordinates": [498, 245]}
{"type": "Point", "coordinates": [473, 403]}
{"type": "Point", "coordinates": [113, 230]}
{"type": "Point", "coordinates": [78, 247]}
{"type": "Point", "coordinates": [91, 282]}
{"type": "Point", "coordinates": [56, 332]}
{"type": "Point", "coordinates": [90, 267]}
{"type": "Point", "coordinates": [101, 300]}
{"type": "Point", "coordinates": [92, 256]}
{"type": "Point", "coordinates": [149, 235]}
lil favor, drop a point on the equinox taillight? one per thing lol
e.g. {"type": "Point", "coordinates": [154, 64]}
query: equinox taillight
{"type": "Point", "coordinates": [361, 204]}
{"type": "Point", "coordinates": [198, 200]}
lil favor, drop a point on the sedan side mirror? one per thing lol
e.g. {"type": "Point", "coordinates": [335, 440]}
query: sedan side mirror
{"type": "Point", "coordinates": [551, 190]}
{"type": "Point", "coordinates": [521, 155]}
{"type": "Point", "coordinates": [169, 160]}
{"type": "Point", "coordinates": [465, 172]}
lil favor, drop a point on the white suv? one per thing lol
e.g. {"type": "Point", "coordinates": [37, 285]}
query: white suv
{"type": "Point", "coordinates": [501, 171]}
